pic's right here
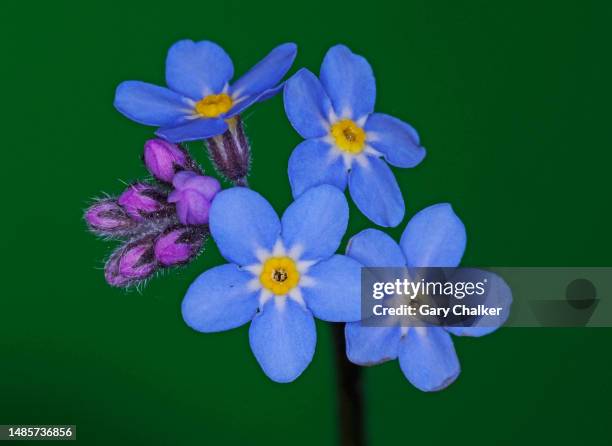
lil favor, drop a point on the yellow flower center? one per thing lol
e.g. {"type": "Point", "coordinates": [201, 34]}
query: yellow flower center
{"type": "Point", "coordinates": [214, 105]}
{"type": "Point", "coordinates": [279, 275]}
{"type": "Point", "coordinates": [348, 136]}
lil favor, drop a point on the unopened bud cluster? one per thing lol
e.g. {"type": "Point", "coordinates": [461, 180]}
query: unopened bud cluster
{"type": "Point", "coordinates": [161, 224]}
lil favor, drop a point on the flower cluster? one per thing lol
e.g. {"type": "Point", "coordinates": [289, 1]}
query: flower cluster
{"type": "Point", "coordinates": [283, 272]}
{"type": "Point", "coordinates": [161, 224]}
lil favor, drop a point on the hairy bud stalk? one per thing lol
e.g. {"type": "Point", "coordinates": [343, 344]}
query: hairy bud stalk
{"type": "Point", "coordinates": [231, 153]}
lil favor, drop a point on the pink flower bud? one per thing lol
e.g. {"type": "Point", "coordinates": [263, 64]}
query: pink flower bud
{"type": "Point", "coordinates": [164, 159]}
{"type": "Point", "coordinates": [111, 271]}
{"type": "Point", "coordinates": [137, 261]}
{"type": "Point", "coordinates": [193, 196]}
{"type": "Point", "coordinates": [179, 244]}
{"type": "Point", "coordinates": [108, 218]}
{"type": "Point", "coordinates": [142, 201]}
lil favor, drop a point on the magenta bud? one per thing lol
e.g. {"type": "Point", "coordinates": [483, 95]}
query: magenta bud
{"type": "Point", "coordinates": [179, 245]}
{"type": "Point", "coordinates": [193, 195]}
{"type": "Point", "coordinates": [111, 271]}
{"type": "Point", "coordinates": [164, 159]}
{"type": "Point", "coordinates": [107, 217]}
{"type": "Point", "coordinates": [142, 201]}
{"type": "Point", "coordinates": [137, 261]}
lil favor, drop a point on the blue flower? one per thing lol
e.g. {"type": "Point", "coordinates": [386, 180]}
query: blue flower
{"type": "Point", "coordinates": [433, 237]}
{"type": "Point", "coordinates": [344, 139]}
{"type": "Point", "coordinates": [282, 273]}
{"type": "Point", "coordinates": [199, 99]}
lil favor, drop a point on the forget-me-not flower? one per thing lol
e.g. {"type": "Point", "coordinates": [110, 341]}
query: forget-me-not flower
{"type": "Point", "coordinates": [199, 98]}
{"type": "Point", "coordinates": [434, 237]}
{"type": "Point", "coordinates": [345, 139]}
{"type": "Point", "coordinates": [282, 272]}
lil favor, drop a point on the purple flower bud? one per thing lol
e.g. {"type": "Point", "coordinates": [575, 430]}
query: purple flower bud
{"type": "Point", "coordinates": [231, 152]}
{"type": "Point", "coordinates": [137, 260]}
{"type": "Point", "coordinates": [107, 217]}
{"type": "Point", "coordinates": [142, 201]}
{"type": "Point", "coordinates": [164, 159]}
{"type": "Point", "coordinates": [193, 195]}
{"type": "Point", "coordinates": [179, 244]}
{"type": "Point", "coordinates": [111, 271]}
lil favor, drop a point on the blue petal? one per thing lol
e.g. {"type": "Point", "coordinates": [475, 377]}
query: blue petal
{"type": "Point", "coordinates": [373, 248]}
{"type": "Point", "coordinates": [265, 94]}
{"type": "Point", "coordinates": [266, 73]}
{"type": "Point", "coordinates": [283, 339]}
{"type": "Point", "coordinates": [434, 237]}
{"type": "Point", "coordinates": [220, 299]}
{"type": "Point", "coordinates": [195, 130]}
{"type": "Point", "coordinates": [428, 359]}
{"type": "Point", "coordinates": [271, 92]}
{"type": "Point", "coordinates": [497, 294]}
{"type": "Point", "coordinates": [149, 104]}
{"type": "Point", "coordinates": [371, 345]}
{"type": "Point", "coordinates": [197, 69]}
{"type": "Point", "coordinates": [239, 107]}
{"type": "Point", "coordinates": [313, 162]}
{"type": "Point", "coordinates": [241, 223]}
{"type": "Point", "coordinates": [307, 105]}
{"type": "Point", "coordinates": [349, 82]}
{"type": "Point", "coordinates": [335, 294]}
{"type": "Point", "coordinates": [376, 192]}
{"type": "Point", "coordinates": [316, 222]}
{"type": "Point", "coordinates": [395, 139]}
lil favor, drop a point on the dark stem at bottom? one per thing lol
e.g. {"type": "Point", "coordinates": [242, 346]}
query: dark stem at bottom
{"type": "Point", "coordinates": [350, 393]}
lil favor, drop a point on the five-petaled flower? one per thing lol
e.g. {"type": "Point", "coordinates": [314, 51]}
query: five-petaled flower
{"type": "Point", "coordinates": [434, 237]}
{"type": "Point", "coordinates": [282, 273]}
{"type": "Point", "coordinates": [345, 139]}
{"type": "Point", "coordinates": [199, 99]}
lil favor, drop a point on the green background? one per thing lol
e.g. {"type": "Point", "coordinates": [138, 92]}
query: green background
{"type": "Point", "coordinates": [512, 101]}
